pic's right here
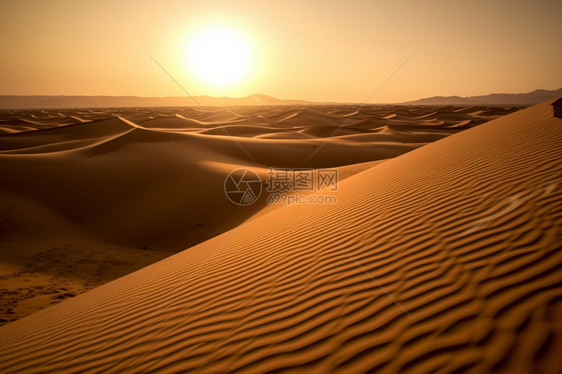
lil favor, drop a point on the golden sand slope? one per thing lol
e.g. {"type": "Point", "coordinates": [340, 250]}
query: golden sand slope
{"type": "Point", "coordinates": [89, 195]}
{"type": "Point", "coordinates": [447, 258]}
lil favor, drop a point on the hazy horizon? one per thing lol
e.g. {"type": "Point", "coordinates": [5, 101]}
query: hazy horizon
{"type": "Point", "coordinates": [327, 52]}
{"type": "Point", "coordinates": [282, 99]}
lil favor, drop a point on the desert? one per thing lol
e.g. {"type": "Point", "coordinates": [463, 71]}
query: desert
{"type": "Point", "coordinates": [443, 250]}
{"type": "Point", "coordinates": [280, 187]}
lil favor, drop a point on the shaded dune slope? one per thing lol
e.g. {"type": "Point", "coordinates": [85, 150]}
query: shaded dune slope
{"type": "Point", "coordinates": [444, 259]}
{"type": "Point", "coordinates": [100, 172]}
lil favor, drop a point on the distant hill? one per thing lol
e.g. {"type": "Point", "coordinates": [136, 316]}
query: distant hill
{"type": "Point", "coordinates": [51, 101]}
{"type": "Point", "coordinates": [531, 98]}
{"type": "Point", "coordinates": [47, 101]}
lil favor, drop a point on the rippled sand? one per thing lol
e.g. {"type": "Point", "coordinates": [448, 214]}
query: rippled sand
{"type": "Point", "coordinates": [444, 256]}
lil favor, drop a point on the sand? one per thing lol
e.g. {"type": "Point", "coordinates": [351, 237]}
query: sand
{"type": "Point", "coordinates": [94, 194]}
{"type": "Point", "coordinates": [445, 257]}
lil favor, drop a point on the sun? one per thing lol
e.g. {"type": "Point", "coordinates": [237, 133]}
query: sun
{"type": "Point", "coordinates": [219, 57]}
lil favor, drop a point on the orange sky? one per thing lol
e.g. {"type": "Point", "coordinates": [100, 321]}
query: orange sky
{"type": "Point", "coordinates": [313, 50]}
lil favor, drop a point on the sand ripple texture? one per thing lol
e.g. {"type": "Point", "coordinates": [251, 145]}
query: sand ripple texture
{"type": "Point", "coordinates": [444, 259]}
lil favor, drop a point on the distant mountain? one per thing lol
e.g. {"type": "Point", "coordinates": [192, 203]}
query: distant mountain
{"type": "Point", "coordinates": [47, 101]}
{"type": "Point", "coordinates": [51, 101]}
{"type": "Point", "coordinates": [531, 98]}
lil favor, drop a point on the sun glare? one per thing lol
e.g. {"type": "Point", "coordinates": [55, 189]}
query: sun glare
{"type": "Point", "coordinates": [219, 57]}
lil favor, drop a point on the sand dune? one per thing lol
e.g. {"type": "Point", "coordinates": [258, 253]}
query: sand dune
{"type": "Point", "coordinates": [149, 182]}
{"type": "Point", "coordinates": [446, 258]}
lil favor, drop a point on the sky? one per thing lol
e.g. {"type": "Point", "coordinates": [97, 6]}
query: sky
{"type": "Point", "coordinates": [340, 51]}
